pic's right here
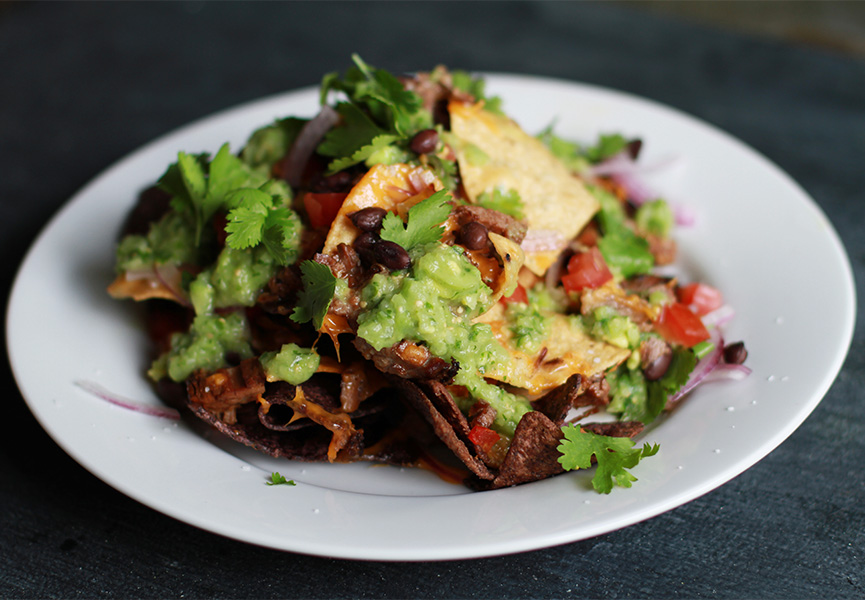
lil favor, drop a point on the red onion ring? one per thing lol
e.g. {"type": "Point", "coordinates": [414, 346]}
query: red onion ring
{"type": "Point", "coordinates": [147, 409]}
{"type": "Point", "coordinates": [306, 143]}
{"type": "Point", "coordinates": [719, 316]}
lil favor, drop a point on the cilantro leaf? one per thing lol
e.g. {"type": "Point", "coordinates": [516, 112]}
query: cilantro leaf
{"type": "Point", "coordinates": [247, 220]}
{"type": "Point", "coordinates": [281, 234]}
{"type": "Point", "coordinates": [424, 222]}
{"type": "Point", "coordinates": [677, 375]}
{"type": "Point", "coordinates": [567, 152]}
{"type": "Point", "coordinates": [379, 95]}
{"type": "Point", "coordinates": [506, 201]}
{"type": "Point", "coordinates": [277, 479]}
{"type": "Point", "coordinates": [613, 455]}
{"type": "Point", "coordinates": [377, 144]}
{"type": "Point", "coordinates": [355, 131]}
{"type": "Point", "coordinates": [476, 86]}
{"type": "Point", "coordinates": [319, 284]}
{"type": "Point", "coordinates": [605, 147]}
{"type": "Point", "coordinates": [626, 253]}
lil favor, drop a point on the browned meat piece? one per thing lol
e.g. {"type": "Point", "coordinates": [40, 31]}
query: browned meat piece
{"type": "Point", "coordinates": [617, 429]}
{"type": "Point", "coordinates": [279, 297]}
{"type": "Point", "coordinates": [222, 391]}
{"type": "Point", "coordinates": [436, 90]}
{"type": "Point", "coordinates": [663, 249]}
{"type": "Point", "coordinates": [407, 360]}
{"type": "Point", "coordinates": [596, 392]}
{"type": "Point", "coordinates": [345, 264]}
{"type": "Point", "coordinates": [481, 414]}
{"type": "Point", "coordinates": [493, 220]}
{"type": "Point", "coordinates": [358, 383]}
{"type": "Point", "coordinates": [645, 283]}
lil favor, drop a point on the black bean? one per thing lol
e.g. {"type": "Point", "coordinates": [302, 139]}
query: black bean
{"type": "Point", "coordinates": [473, 235]}
{"type": "Point", "coordinates": [424, 141]}
{"type": "Point", "coordinates": [365, 244]}
{"type": "Point", "coordinates": [735, 353]}
{"type": "Point", "coordinates": [392, 255]}
{"type": "Point", "coordinates": [368, 219]}
{"type": "Point", "coordinates": [658, 367]}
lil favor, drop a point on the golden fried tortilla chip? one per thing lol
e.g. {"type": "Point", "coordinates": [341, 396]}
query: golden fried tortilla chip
{"type": "Point", "coordinates": [496, 153]}
{"type": "Point", "coordinates": [384, 186]}
{"type": "Point", "coordinates": [567, 350]}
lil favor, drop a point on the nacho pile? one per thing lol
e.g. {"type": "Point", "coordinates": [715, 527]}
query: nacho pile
{"type": "Point", "coordinates": [408, 278]}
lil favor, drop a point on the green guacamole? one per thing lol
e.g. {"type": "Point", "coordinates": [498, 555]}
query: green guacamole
{"type": "Point", "coordinates": [235, 279]}
{"type": "Point", "coordinates": [292, 364]}
{"type": "Point", "coordinates": [204, 346]}
{"type": "Point", "coordinates": [434, 303]}
{"type": "Point", "coordinates": [171, 240]}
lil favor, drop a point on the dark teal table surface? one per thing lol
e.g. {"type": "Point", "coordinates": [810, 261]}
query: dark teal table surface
{"type": "Point", "coordinates": [84, 84]}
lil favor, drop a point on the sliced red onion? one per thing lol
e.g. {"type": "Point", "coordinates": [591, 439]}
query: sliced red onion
{"type": "Point", "coordinates": [724, 371]}
{"type": "Point", "coordinates": [626, 172]}
{"type": "Point", "coordinates": [684, 215]}
{"type": "Point", "coordinates": [623, 163]}
{"type": "Point", "coordinates": [306, 142]}
{"type": "Point", "coordinates": [718, 317]}
{"type": "Point", "coordinates": [704, 366]}
{"type": "Point", "coordinates": [100, 392]}
{"type": "Point", "coordinates": [171, 277]}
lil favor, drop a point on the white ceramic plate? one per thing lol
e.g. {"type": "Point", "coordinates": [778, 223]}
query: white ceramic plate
{"type": "Point", "coordinates": [748, 241]}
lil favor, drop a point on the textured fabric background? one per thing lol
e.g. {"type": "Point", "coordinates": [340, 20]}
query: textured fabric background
{"type": "Point", "coordinates": [84, 84]}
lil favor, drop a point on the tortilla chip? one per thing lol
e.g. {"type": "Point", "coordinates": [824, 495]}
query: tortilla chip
{"type": "Point", "coordinates": [446, 422]}
{"type": "Point", "coordinates": [567, 351]}
{"type": "Point", "coordinates": [557, 205]}
{"type": "Point", "coordinates": [533, 454]}
{"type": "Point", "coordinates": [384, 186]}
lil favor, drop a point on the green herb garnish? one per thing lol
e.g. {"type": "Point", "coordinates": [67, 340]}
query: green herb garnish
{"type": "Point", "coordinates": [614, 456]}
{"type": "Point", "coordinates": [261, 218]}
{"type": "Point", "coordinates": [319, 284]}
{"type": "Point", "coordinates": [277, 479]}
{"type": "Point", "coordinates": [506, 201]}
{"type": "Point", "coordinates": [424, 222]}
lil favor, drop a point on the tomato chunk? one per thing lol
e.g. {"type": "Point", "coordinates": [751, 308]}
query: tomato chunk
{"type": "Point", "coordinates": [519, 295]}
{"type": "Point", "coordinates": [322, 207]}
{"type": "Point", "coordinates": [678, 324]}
{"type": "Point", "coordinates": [586, 270]}
{"type": "Point", "coordinates": [700, 298]}
{"type": "Point", "coordinates": [483, 437]}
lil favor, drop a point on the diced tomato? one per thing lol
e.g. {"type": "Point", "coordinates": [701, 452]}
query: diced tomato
{"type": "Point", "coordinates": [519, 295]}
{"type": "Point", "coordinates": [483, 437]}
{"type": "Point", "coordinates": [678, 324]}
{"type": "Point", "coordinates": [586, 270]}
{"type": "Point", "coordinates": [322, 208]}
{"type": "Point", "coordinates": [700, 298]}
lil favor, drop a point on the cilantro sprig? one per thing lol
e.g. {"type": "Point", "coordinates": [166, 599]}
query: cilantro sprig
{"type": "Point", "coordinates": [277, 479]}
{"type": "Point", "coordinates": [319, 284]}
{"type": "Point", "coordinates": [378, 113]}
{"type": "Point", "coordinates": [613, 455]}
{"type": "Point", "coordinates": [261, 218]}
{"type": "Point", "coordinates": [424, 222]}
